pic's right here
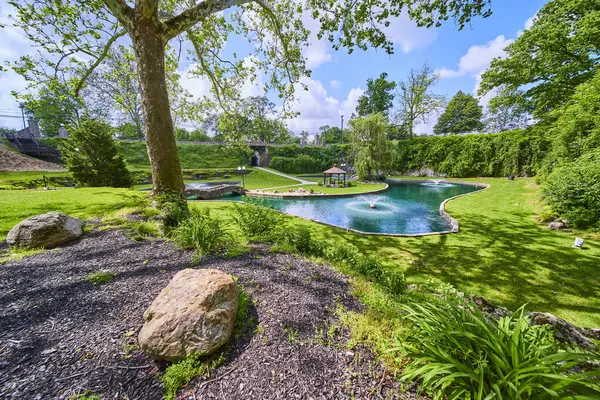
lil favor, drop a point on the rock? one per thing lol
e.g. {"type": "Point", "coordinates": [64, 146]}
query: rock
{"type": "Point", "coordinates": [489, 308]}
{"type": "Point", "coordinates": [193, 314]}
{"type": "Point", "coordinates": [557, 225]}
{"type": "Point", "coordinates": [565, 331]}
{"type": "Point", "coordinates": [45, 230]}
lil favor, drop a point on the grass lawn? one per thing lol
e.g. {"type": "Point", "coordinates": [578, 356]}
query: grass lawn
{"type": "Point", "coordinates": [358, 189]}
{"type": "Point", "coordinates": [29, 175]}
{"type": "Point", "coordinates": [501, 253]}
{"type": "Point", "coordinates": [84, 203]}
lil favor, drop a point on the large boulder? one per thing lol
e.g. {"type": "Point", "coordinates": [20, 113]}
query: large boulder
{"type": "Point", "coordinates": [45, 230]}
{"type": "Point", "coordinates": [193, 314]}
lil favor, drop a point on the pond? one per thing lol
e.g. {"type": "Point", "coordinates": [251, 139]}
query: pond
{"type": "Point", "coordinates": [405, 208]}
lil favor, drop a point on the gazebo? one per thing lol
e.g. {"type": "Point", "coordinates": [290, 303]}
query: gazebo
{"type": "Point", "coordinates": [334, 171]}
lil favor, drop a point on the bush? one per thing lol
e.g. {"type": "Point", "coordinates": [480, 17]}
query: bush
{"type": "Point", "coordinates": [320, 183]}
{"type": "Point", "coordinates": [93, 158]}
{"type": "Point", "coordinates": [255, 218]}
{"type": "Point", "coordinates": [203, 233]}
{"type": "Point", "coordinates": [457, 352]}
{"type": "Point", "coordinates": [297, 165]}
{"type": "Point", "coordinates": [300, 240]}
{"type": "Point", "coordinates": [344, 253]}
{"type": "Point", "coordinates": [573, 191]}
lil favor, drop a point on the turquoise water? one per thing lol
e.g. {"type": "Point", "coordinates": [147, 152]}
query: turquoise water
{"type": "Point", "coordinates": [406, 208]}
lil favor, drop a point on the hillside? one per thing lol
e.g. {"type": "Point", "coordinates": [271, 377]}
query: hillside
{"type": "Point", "coordinates": [11, 160]}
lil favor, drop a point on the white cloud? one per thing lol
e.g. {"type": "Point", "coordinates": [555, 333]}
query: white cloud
{"type": "Point", "coordinates": [404, 32]}
{"type": "Point", "coordinates": [478, 58]}
{"type": "Point", "coordinates": [335, 84]}
{"type": "Point", "coordinates": [317, 108]}
{"type": "Point", "coordinates": [317, 51]}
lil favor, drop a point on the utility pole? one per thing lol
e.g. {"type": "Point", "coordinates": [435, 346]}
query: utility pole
{"type": "Point", "coordinates": [22, 107]}
{"type": "Point", "coordinates": [342, 124]}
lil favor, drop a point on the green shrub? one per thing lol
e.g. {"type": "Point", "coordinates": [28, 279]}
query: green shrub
{"type": "Point", "coordinates": [255, 218]}
{"type": "Point", "coordinates": [300, 240]}
{"type": "Point", "coordinates": [203, 233]}
{"type": "Point", "coordinates": [457, 352]}
{"type": "Point", "coordinates": [573, 191]}
{"type": "Point", "coordinates": [320, 183]}
{"type": "Point", "coordinates": [93, 158]}
{"type": "Point", "coordinates": [344, 253]}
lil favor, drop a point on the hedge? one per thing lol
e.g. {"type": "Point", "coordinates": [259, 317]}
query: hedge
{"type": "Point", "coordinates": [518, 152]}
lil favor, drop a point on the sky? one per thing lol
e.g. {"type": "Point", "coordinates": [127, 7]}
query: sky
{"type": "Point", "coordinates": [338, 79]}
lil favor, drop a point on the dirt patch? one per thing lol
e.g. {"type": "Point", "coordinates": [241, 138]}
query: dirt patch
{"type": "Point", "coordinates": [11, 161]}
{"type": "Point", "coordinates": [61, 335]}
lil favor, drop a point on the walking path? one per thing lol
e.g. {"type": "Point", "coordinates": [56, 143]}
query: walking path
{"type": "Point", "coordinates": [302, 181]}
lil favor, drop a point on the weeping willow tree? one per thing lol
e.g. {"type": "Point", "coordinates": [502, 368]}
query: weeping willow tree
{"type": "Point", "coordinates": [370, 145]}
{"type": "Point", "coordinates": [74, 37]}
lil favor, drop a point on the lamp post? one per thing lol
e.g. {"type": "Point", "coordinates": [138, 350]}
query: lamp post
{"type": "Point", "coordinates": [242, 170]}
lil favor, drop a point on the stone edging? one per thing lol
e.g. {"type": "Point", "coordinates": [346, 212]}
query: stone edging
{"type": "Point", "coordinates": [310, 196]}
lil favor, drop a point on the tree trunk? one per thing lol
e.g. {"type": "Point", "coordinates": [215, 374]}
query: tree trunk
{"type": "Point", "coordinates": [158, 125]}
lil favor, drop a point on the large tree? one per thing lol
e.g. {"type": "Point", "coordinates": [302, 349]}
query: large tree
{"type": "Point", "coordinates": [416, 101]}
{"type": "Point", "coordinates": [378, 98]}
{"type": "Point", "coordinates": [74, 37]}
{"type": "Point", "coordinates": [370, 145]}
{"type": "Point", "coordinates": [463, 114]}
{"type": "Point", "coordinates": [560, 51]}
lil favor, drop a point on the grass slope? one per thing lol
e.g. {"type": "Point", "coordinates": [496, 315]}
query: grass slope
{"type": "Point", "coordinates": [191, 156]}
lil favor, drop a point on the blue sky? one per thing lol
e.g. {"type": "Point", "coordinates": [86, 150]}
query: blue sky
{"type": "Point", "coordinates": [338, 78]}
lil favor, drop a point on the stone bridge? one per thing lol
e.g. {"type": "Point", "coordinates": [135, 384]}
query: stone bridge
{"type": "Point", "coordinates": [214, 192]}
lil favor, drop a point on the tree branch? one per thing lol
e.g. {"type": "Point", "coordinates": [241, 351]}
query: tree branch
{"type": "Point", "coordinates": [98, 60]}
{"type": "Point", "coordinates": [122, 12]}
{"type": "Point", "coordinates": [188, 18]}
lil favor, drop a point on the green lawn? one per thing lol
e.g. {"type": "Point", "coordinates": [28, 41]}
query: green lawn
{"type": "Point", "coordinates": [84, 203]}
{"type": "Point", "coordinates": [28, 175]}
{"type": "Point", "coordinates": [501, 253]}
{"type": "Point", "coordinates": [358, 189]}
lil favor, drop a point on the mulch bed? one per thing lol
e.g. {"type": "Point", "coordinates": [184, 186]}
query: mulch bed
{"type": "Point", "coordinates": [61, 336]}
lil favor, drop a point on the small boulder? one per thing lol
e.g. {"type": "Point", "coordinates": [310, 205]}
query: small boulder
{"type": "Point", "coordinates": [565, 332]}
{"type": "Point", "coordinates": [193, 314]}
{"type": "Point", "coordinates": [557, 225]}
{"type": "Point", "coordinates": [45, 230]}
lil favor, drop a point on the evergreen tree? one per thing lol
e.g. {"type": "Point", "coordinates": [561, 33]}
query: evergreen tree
{"type": "Point", "coordinates": [93, 158]}
{"type": "Point", "coordinates": [463, 114]}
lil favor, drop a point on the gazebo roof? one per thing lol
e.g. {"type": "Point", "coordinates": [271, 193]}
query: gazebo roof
{"type": "Point", "coordinates": [335, 170]}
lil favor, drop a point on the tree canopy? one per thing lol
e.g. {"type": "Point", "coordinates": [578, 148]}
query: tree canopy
{"type": "Point", "coordinates": [463, 114]}
{"type": "Point", "coordinates": [73, 38]}
{"type": "Point", "coordinates": [559, 52]}
{"type": "Point", "coordinates": [378, 98]}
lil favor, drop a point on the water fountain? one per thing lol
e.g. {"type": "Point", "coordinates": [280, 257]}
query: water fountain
{"type": "Point", "coordinates": [437, 183]}
{"type": "Point", "coordinates": [371, 200]}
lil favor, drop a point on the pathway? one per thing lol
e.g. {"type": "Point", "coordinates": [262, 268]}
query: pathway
{"type": "Point", "coordinates": [302, 181]}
